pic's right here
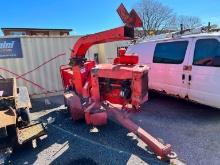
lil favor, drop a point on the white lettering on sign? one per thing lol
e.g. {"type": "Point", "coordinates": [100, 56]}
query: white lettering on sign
{"type": "Point", "coordinates": [7, 45]}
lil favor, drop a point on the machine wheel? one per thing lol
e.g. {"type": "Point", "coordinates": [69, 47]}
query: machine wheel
{"type": "Point", "coordinates": [66, 105]}
{"type": "Point", "coordinates": [25, 117]}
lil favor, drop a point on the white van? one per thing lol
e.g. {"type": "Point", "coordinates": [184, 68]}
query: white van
{"type": "Point", "coordinates": [187, 66]}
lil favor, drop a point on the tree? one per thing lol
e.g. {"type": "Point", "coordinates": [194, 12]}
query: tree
{"type": "Point", "coordinates": [188, 22]}
{"type": "Point", "coordinates": [158, 18]}
{"type": "Point", "coordinates": [155, 16]}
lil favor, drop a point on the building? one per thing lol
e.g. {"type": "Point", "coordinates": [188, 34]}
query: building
{"type": "Point", "coordinates": [35, 32]}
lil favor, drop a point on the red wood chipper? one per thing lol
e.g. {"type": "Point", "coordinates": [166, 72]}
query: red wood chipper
{"type": "Point", "coordinates": [95, 92]}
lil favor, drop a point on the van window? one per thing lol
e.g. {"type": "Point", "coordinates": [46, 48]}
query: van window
{"type": "Point", "coordinates": [207, 52]}
{"type": "Point", "coordinates": [170, 52]}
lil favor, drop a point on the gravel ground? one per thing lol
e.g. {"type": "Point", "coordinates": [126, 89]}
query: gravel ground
{"type": "Point", "coordinates": [191, 129]}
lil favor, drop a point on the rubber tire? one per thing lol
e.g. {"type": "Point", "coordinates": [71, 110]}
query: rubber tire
{"type": "Point", "coordinates": [24, 114]}
{"type": "Point", "coordinates": [66, 105]}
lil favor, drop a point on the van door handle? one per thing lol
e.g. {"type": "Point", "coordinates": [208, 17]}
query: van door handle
{"type": "Point", "coordinates": [183, 76]}
{"type": "Point", "coordinates": [190, 77]}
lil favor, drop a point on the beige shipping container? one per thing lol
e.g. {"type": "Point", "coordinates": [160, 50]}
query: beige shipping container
{"type": "Point", "coordinates": [36, 51]}
{"type": "Point", "coordinates": [108, 51]}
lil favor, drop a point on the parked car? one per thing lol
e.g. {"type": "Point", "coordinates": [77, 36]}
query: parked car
{"type": "Point", "coordinates": [187, 66]}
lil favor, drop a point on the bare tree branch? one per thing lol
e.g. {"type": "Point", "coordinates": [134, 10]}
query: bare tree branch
{"type": "Point", "coordinates": [158, 18]}
{"type": "Point", "coordinates": [154, 14]}
{"type": "Point", "coordinates": [189, 22]}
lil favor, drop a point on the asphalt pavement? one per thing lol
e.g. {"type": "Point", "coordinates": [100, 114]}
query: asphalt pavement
{"type": "Point", "coordinates": [191, 129]}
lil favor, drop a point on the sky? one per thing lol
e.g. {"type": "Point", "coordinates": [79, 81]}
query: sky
{"type": "Point", "coordinates": [90, 16]}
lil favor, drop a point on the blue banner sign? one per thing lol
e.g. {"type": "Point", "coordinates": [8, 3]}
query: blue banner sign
{"type": "Point", "coordinates": [10, 48]}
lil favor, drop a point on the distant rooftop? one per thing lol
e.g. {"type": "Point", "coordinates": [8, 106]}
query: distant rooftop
{"type": "Point", "coordinates": [69, 30]}
{"type": "Point", "coordinates": [35, 31]}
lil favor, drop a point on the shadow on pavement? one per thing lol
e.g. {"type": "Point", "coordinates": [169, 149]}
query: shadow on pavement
{"type": "Point", "coordinates": [74, 143]}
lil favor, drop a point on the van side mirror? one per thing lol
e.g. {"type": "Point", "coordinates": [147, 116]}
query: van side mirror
{"type": "Point", "coordinates": [216, 61]}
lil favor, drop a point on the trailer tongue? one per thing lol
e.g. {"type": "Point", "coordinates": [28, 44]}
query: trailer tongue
{"type": "Point", "coordinates": [95, 92]}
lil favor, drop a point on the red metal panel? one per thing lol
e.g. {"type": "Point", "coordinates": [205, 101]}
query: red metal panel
{"type": "Point", "coordinates": [96, 119]}
{"type": "Point", "coordinates": [81, 74]}
{"type": "Point", "coordinates": [66, 75]}
{"type": "Point", "coordinates": [131, 19]}
{"type": "Point", "coordinates": [95, 93]}
{"type": "Point", "coordinates": [117, 34]}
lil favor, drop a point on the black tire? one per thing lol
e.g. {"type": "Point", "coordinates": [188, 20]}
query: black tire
{"type": "Point", "coordinates": [66, 105]}
{"type": "Point", "coordinates": [11, 139]}
{"type": "Point", "coordinates": [25, 117]}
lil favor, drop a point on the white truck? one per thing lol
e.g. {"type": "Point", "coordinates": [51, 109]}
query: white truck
{"type": "Point", "coordinates": [186, 66]}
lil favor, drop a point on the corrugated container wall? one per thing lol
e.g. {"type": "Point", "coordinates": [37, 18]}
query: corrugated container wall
{"type": "Point", "coordinates": [108, 51]}
{"type": "Point", "coordinates": [38, 50]}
